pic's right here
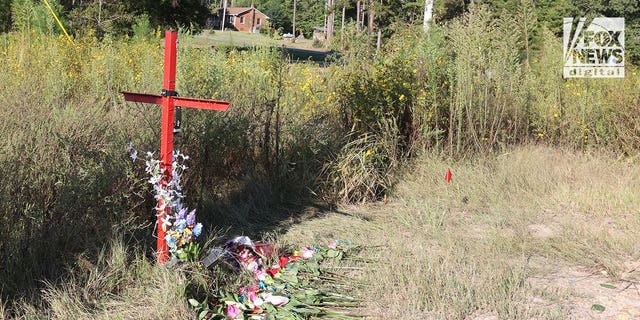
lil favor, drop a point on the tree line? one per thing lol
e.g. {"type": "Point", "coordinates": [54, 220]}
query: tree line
{"type": "Point", "coordinates": [377, 18]}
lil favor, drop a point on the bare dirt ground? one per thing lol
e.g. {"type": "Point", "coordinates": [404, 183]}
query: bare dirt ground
{"type": "Point", "coordinates": [584, 293]}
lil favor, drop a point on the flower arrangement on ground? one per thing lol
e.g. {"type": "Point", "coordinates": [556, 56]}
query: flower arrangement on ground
{"type": "Point", "coordinates": [296, 286]}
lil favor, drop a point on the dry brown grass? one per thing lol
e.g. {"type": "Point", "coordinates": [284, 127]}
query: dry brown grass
{"type": "Point", "coordinates": [468, 249]}
{"type": "Point", "coordinates": [529, 234]}
{"type": "Point", "coordinates": [118, 286]}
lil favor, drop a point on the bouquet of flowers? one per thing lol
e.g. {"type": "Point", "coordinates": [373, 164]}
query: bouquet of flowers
{"type": "Point", "coordinates": [180, 238]}
{"type": "Point", "coordinates": [181, 227]}
{"type": "Point", "coordinates": [293, 288]}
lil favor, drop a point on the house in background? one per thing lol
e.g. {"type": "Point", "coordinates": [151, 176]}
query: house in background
{"type": "Point", "coordinates": [245, 19]}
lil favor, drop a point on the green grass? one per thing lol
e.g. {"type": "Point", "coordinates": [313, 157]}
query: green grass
{"type": "Point", "coordinates": [217, 38]}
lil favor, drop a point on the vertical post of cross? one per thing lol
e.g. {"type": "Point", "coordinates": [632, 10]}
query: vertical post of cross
{"type": "Point", "coordinates": [166, 140]}
{"type": "Point", "coordinates": [169, 100]}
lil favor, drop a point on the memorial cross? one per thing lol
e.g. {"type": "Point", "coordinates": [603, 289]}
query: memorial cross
{"type": "Point", "coordinates": [171, 118]}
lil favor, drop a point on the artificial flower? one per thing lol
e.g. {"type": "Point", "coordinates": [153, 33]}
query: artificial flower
{"type": "Point", "coordinates": [254, 288]}
{"type": "Point", "coordinates": [182, 213]}
{"type": "Point", "coordinates": [197, 229]}
{"type": "Point", "coordinates": [332, 245]}
{"type": "Point", "coordinates": [260, 274]}
{"type": "Point", "coordinates": [307, 253]}
{"type": "Point", "coordinates": [276, 300]}
{"type": "Point", "coordinates": [273, 272]}
{"type": "Point", "coordinates": [283, 262]}
{"type": "Point", "coordinates": [233, 311]}
{"type": "Point", "coordinates": [252, 296]}
{"type": "Point", "coordinates": [171, 241]}
{"type": "Point", "coordinates": [191, 218]}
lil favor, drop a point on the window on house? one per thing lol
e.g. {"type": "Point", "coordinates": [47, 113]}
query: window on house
{"type": "Point", "coordinates": [241, 20]}
{"type": "Point", "coordinates": [231, 19]}
{"type": "Point", "coordinates": [259, 21]}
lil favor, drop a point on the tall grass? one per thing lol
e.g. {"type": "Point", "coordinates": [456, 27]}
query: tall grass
{"type": "Point", "coordinates": [293, 131]}
{"type": "Point", "coordinates": [120, 284]}
{"type": "Point", "coordinates": [70, 185]}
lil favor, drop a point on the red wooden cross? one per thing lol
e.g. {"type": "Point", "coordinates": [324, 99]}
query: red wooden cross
{"type": "Point", "coordinates": [169, 100]}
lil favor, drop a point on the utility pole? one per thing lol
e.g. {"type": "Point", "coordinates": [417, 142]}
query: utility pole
{"type": "Point", "coordinates": [371, 15]}
{"type": "Point", "coordinates": [344, 10]}
{"type": "Point", "coordinates": [224, 15]}
{"type": "Point", "coordinates": [330, 20]}
{"type": "Point", "coordinates": [358, 10]}
{"type": "Point", "coordinates": [428, 14]}
{"type": "Point", "coordinates": [294, 19]}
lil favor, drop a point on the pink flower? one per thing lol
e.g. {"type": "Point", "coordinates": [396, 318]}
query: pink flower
{"type": "Point", "coordinates": [307, 253]}
{"type": "Point", "coordinates": [260, 274]}
{"type": "Point", "coordinates": [276, 300]}
{"type": "Point", "coordinates": [233, 311]}
{"type": "Point", "coordinates": [245, 255]}
{"type": "Point", "coordinates": [254, 288]}
{"type": "Point", "coordinates": [252, 296]}
{"type": "Point", "coordinates": [252, 265]}
{"type": "Point", "coordinates": [259, 302]}
{"type": "Point", "coordinates": [332, 245]}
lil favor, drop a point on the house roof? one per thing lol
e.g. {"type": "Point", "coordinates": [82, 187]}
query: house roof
{"type": "Point", "coordinates": [236, 11]}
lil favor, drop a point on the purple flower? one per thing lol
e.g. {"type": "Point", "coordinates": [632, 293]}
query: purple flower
{"type": "Point", "coordinates": [191, 218]}
{"type": "Point", "coordinates": [182, 212]}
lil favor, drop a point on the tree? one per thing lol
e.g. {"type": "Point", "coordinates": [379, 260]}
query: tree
{"type": "Point", "coordinates": [5, 15]}
{"type": "Point", "coordinates": [309, 14]}
{"type": "Point", "coordinates": [280, 17]}
{"type": "Point", "coordinates": [428, 14]}
{"type": "Point", "coordinates": [331, 17]}
{"type": "Point", "coordinates": [101, 16]}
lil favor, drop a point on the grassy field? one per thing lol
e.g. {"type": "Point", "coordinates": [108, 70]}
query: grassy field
{"type": "Point", "coordinates": [523, 231]}
{"type": "Point", "coordinates": [216, 38]}
{"type": "Point", "coordinates": [529, 234]}
{"type": "Point", "coordinates": [535, 233]}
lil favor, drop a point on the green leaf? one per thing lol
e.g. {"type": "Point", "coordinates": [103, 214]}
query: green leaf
{"type": "Point", "coordinates": [598, 307]}
{"type": "Point", "coordinates": [203, 314]}
{"type": "Point", "coordinates": [194, 303]}
{"type": "Point", "coordinates": [608, 286]}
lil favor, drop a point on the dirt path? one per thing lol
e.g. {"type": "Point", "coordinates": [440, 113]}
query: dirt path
{"type": "Point", "coordinates": [582, 292]}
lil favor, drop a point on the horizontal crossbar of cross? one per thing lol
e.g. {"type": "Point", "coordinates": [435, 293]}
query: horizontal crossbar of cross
{"type": "Point", "coordinates": [206, 104]}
